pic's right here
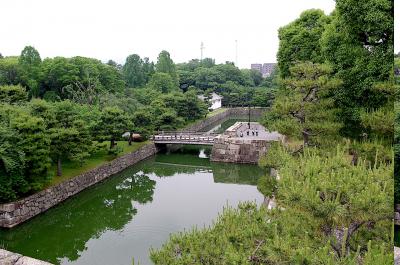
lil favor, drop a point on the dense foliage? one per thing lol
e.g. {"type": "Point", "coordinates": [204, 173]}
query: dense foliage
{"type": "Point", "coordinates": [397, 131]}
{"type": "Point", "coordinates": [321, 219]}
{"type": "Point", "coordinates": [238, 87]}
{"type": "Point", "coordinates": [60, 109]}
{"type": "Point", "coordinates": [334, 187]}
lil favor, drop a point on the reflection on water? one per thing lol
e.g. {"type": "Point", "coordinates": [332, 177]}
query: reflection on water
{"type": "Point", "coordinates": [137, 209]}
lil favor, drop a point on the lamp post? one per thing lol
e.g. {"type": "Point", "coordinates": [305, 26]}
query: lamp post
{"type": "Point", "coordinates": [248, 105]}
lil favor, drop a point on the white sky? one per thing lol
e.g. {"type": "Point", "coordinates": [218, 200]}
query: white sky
{"type": "Point", "coordinates": [114, 29]}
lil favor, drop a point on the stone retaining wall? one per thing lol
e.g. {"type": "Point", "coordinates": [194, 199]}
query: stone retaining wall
{"type": "Point", "coordinates": [10, 258]}
{"type": "Point", "coordinates": [12, 214]}
{"type": "Point", "coordinates": [235, 150]}
{"type": "Point", "coordinates": [229, 112]}
{"type": "Point", "coordinates": [397, 214]}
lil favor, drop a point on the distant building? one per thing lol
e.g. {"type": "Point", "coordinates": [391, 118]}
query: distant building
{"type": "Point", "coordinates": [256, 66]}
{"type": "Point", "coordinates": [216, 101]}
{"type": "Point", "coordinates": [265, 69]}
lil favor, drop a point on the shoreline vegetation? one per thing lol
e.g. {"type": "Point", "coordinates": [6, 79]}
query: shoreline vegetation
{"type": "Point", "coordinates": [332, 95]}
{"type": "Point", "coordinates": [72, 169]}
{"type": "Point", "coordinates": [334, 101]}
{"type": "Point", "coordinates": [100, 157]}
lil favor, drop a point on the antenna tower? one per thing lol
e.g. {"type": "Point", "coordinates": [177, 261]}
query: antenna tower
{"type": "Point", "coordinates": [201, 51]}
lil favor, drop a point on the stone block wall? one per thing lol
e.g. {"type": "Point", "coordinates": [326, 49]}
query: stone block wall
{"type": "Point", "coordinates": [12, 214]}
{"type": "Point", "coordinates": [236, 150]}
{"type": "Point", "coordinates": [10, 258]}
{"type": "Point", "coordinates": [229, 112]}
{"type": "Point", "coordinates": [397, 214]}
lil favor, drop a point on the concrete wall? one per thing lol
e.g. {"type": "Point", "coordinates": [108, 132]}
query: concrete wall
{"type": "Point", "coordinates": [10, 258]}
{"type": "Point", "coordinates": [230, 112]}
{"type": "Point", "coordinates": [12, 214]}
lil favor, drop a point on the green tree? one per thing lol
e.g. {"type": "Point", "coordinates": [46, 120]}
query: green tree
{"type": "Point", "coordinates": [328, 212]}
{"type": "Point", "coordinates": [59, 72]}
{"type": "Point", "coordinates": [358, 44]}
{"type": "Point", "coordinates": [207, 62]}
{"type": "Point", "coordinates": [69, 134]}
{"type": "Point", "coordinates": [144, 122]}
{"type": "Point", "coordinates": [230, 72]}
{"type": "Point", "coordinates": [299, 41]}
{"type": "Point", "coordinates": [397, 131]}
{"type": "Point", "coordinates": [263, 97]}
{"type": "Point", "coordinates": [166, 65]}
{"type": "Point", "coordinates": [133, 70]}
{"type": "Point", "coordinates": [10, 71]}
{"type": "Point", "coordinates": [80, 75]}
{"type": "Point", "coordinates": [35, 144]}
{"type": "Point", "coordinates": [30, 62]}
{"type": "Point", "coordinates": [112, 124]}
{"type": "Point", "coordinates": [305, 109]}
{"type": "Point", "coordinates": [208, 77]}
{"type": "Point", "coordinates": [13, 94]}
{"type": "Point", "coordinates": [163, 83]}
{"type": "Point", "coordinates": [148, 69]}
{"type": "Point", "coordinates": [12, 165]}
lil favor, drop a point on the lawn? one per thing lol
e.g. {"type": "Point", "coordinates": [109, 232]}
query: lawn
{"type": "Point", "coordinates": [210, 114]}
{"type": "Point", "coordinates": [215, 112]}
{"type": "Point", "coordinates": [71, 169]}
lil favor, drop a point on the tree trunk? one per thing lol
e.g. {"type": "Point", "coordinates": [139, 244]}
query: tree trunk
{"type": "Point", "coordinates": [306, 137]}
{"type": "Point", "coordinates": [59, 171]}
{"type": "Point", "coordinates": [130, 138]}
{"type": "Point", "coordinates": [343, 236]}
{"type": "Point", "coordinates": [112, 143]}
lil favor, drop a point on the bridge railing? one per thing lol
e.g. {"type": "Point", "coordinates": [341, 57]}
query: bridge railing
{"type": "Point", "coordinates": [183, 137]}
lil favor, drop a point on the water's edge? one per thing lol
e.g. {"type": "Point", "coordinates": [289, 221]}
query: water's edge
{"type": "Point", "coordinates": [14, 213]}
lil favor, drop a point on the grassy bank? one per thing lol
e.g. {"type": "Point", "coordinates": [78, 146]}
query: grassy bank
{"type": "Point", "coordinates": [71, 169]}
{"type": "Point", "coordinates": [215, 112]}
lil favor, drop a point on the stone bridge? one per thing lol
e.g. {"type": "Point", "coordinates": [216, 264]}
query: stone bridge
{"type": "Point", "coordinates": [184, 137]}
{"type": "Point", "coordinates": [243, 142]}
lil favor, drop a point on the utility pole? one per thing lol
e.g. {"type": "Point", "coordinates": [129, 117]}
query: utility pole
{"type": "Point", "coordinates": [201, 51]}
{"type": "Point", "coordinates": [248, 104]}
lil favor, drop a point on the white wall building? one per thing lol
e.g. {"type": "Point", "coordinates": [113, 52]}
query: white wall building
{"type": "Point", "coordinates": [215, 100]}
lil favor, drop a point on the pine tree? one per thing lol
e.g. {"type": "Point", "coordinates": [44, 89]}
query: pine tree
{"type": "Point", "coordinates": [303, 108]}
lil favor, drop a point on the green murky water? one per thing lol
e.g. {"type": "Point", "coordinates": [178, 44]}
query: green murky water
{"type": "Point", "coordinates": [129, 213]}
{"type": "Point", "coordinates": [397, 236]}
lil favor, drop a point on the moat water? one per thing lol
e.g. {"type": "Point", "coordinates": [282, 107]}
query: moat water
{"type": "Point", "coordinates": [131, 212]}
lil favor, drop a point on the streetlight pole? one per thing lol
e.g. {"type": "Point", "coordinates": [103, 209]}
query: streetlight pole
{"type": "Point", "coordinates": [248, 105]}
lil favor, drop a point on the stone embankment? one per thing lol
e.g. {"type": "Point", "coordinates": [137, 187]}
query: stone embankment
{"type": "Point", "coordinates": [397, 214]}
{"type": "Point", "coordinates": [238, 150]}
{"type": "Point", "coordinates": [229, 112]}
{"type": "Point", "coordinates": [10, 258]}
{"type": "Point", "coordinates": [12, 214]}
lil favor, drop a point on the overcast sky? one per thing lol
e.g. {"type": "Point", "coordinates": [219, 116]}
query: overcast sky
{"type": "Point", "coordinates": [114, 29]}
